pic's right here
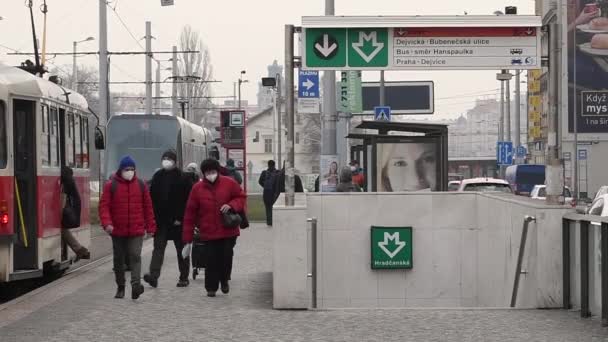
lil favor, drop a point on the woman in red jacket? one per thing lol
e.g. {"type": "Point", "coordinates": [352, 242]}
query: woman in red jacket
{"type": "Point", "coordinates": [125, 212]}
{"type": "Point", "coordinates": [210, 198]}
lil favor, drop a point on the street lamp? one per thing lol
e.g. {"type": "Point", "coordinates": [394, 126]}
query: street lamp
{"type": "Point", "coordinates": [241, 81]}
{"type": "Point", "coordinates": [74, 66]}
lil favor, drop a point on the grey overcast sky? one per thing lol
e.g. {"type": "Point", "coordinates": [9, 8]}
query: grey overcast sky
{"type": "Point", "coordinates": [240, 34]}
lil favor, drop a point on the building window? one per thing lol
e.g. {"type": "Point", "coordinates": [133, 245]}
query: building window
{"type": "Point", "coordinates": [257, 136]}
{"type": "Point", "coordinates": [297, 138]}
{"type": "Point", "coordinates": [267, 145]}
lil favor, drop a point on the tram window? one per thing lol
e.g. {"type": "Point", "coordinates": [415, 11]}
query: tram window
{"type": "Point", "coordinates": [45, 142]}
{"type": "Point", "coordinates": [85, 142]}
{"type": "Point", "coordinates": [77, 141]}
{"type": "Point", "coordinates": [69, 140]}
{"type": "Point", "coordinates": [54, 133]}
{"type": "Point", "coordinates": [3, 142]}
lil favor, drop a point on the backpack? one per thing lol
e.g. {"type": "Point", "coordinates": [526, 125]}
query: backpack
{"type": "Point", "coordinates": [271, 179]}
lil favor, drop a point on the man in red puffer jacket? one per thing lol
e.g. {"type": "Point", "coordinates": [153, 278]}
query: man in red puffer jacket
{"type": "Point", "coordinates": [209, 199]}
{"type": "Point", "coordinates": [126, 213]}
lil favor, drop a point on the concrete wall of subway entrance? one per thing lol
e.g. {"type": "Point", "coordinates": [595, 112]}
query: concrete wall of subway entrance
{"type": "Point", "coordinates": [465, 248]}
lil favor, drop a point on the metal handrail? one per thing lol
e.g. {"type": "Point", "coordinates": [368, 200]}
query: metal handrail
{"type": "Point", "coordinates": [520, 257]}
{"type": "Point", "coordinates": [313, 261]}
{"type": "Point", "coordinates": [584, 222]}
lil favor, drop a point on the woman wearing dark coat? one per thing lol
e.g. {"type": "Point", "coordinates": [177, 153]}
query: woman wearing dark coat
{"type": "Point", "coordinates": [70, 199]}
{"type": "Point", "coordinates": [346, 181]}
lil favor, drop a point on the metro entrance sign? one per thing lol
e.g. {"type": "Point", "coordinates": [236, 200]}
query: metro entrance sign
{"type": "Point", "coordinates": [421, 43]}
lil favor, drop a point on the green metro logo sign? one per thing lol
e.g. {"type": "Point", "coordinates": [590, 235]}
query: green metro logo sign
{"type": "Point", "coordinates": [368, 48]}
{"type": "Point", "coordinates": [343, 48]}
{"type": "Point", "coordinates": [391, 247]}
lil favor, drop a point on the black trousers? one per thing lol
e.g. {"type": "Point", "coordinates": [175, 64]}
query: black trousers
{"type": "Point", "coordinates": [268, 205]}
{"type": "Point", "coordinates": [127, 248]}
{"type": "Point", "coordinates": [162, 236]}
{"type": "Point", "coordinates": [219, 255]}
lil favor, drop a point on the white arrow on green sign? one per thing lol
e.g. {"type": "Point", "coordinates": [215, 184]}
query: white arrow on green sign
{"type": "Point", "coordinates": [327, 48]}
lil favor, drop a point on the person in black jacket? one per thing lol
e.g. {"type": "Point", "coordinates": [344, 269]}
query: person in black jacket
{"type": "Point", "coordinates": [268, 182]}
{"type": "Point", "coordinates": [169, 190]}
{"type": "Point", "coordinates": [71, 205]}
{"type": "Point", "coordinates": [280, 185]}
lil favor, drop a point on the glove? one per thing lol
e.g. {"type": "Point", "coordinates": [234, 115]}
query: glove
{"type": "Point", "coordinates": [186, 251]}
{"type": "Point", "coordinates": [109, 229]}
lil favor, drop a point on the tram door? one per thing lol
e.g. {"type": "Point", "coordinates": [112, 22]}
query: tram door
{"type": "Point", "coordinates": [24, 133]}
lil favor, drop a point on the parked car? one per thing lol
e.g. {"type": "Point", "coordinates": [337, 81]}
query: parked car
{"type": "Point", "coordinates": [524, 177]}
{"type": "Point", "coordinates": [540, 193]}
{"type": "Point", "coordinates": [453, 185]}
{"type": "Point", "coordinates": [485, 185]}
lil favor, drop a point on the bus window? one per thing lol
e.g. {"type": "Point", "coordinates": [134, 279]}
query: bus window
{"type": "Point", "coordinates": [45, 146]}
{"type": "Point", "coordinates": [85, 141]}
{"type": "Point", "coordinates": [3, 141]}
{"type": "Point", "coordinates": [54, 133]}
{"type": "Point", "coordinates": [77, 141]}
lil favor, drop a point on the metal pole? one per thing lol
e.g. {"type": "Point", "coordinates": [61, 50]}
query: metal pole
{"type": "Point", "coordinates": [289, 106]}
{"type": "Point", "coordinates": [188, 63]}
{"type": "Point", "coordinates": [382, 94]}
{"type": "Point", "coordinates": [574, 181]}
{"type": "Point", "coordinates": [174, 85]}
{"type": "Point", "coordinates": [330, 116]}
{"type": "Point", "coordinates": [239, 103]}
{"type": "Point", "coordinates": [148, 67]}
{"type": "Point", "coordinates": [554, 174]}
{"type": "Point", "coordinates": [157, 105]}
{"type": "Point", "coordinates": [516, 132]}
{"type": "Point", "coordinates": [103, 60]}
{"type": "Point", "coordinates": [74, 71]}
{"type": "Point", "coordinates": [234, 93]}
{"type": "Point", "coordinates": [508, 109]}
{"type": "Point", "coordinates": [501, 122]}
{"type": "Point", "coordinates": [279, 122]}
{"type": "Point", "coordinates": [313, 261]}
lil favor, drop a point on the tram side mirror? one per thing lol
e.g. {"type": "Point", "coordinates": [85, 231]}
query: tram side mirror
{"type": "Point", "coordinates": [100, 143]}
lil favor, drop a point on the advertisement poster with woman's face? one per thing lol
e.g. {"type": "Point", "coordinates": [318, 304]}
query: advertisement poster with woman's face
{"type": "Point", "coordinates": [588, 65]}
{"type": "Point", "coordinates": [407, 167]}
{"type": "Point", "coordinates": [329, 173]}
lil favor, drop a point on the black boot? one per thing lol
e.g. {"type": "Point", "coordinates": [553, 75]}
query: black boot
{"type": "Point", "coordinates": [136, 290]}
{"type": "Point", "coordinates": [148, 278]}
{"type": "Point", "coordinates": [225, 287]}
{"type": "Point", "coordinates": [120, 293]}
{"type": "Point", "coordinates": [183, 283]}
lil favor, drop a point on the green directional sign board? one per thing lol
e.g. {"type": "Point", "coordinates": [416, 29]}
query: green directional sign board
{"type": "Point", "coordinates": [391, 247]}
{"type": "Point", "coordinates": [326, 48]}
{"type": "Point", "coordinates": [346, 48]}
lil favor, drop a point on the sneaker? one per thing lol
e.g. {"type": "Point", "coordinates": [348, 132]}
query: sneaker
{"type": "Point", "coordinates": [137, 290]}
{"type": "Point", "coordinates": [225, 288]}
{"type": "Point", "coordinates": [148, 278]}
{"type": "Point", "coordinates": [120, 293]}
{"type": "Point", "coordinates": [210, 293]}
{"type": "Point", "coordinates": [183, 283]}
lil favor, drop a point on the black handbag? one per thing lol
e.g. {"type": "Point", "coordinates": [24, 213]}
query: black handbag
{"type": "Point", "coordinates": [244, 220]}
{"type": "Point", "coordinates": [69, 218]}
{"type": "Point", "coordinates": [231, 219]}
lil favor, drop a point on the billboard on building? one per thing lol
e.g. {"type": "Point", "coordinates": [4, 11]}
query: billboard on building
{"type": "Point", "coordinates": [588, 65]}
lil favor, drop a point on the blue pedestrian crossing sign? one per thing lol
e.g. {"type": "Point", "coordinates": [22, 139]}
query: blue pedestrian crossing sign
{"type": "Point", "coordinates": [382, 113]}
{"type": "Point", "coordinates": [504, 153]}
{"type": "Point", "coordinates": [308, 84]}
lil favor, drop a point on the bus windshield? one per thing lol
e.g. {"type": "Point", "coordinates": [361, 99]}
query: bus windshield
{"type": "Point", "coordinates": [144, 139]}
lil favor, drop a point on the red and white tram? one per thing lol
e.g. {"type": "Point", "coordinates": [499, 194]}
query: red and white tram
{"type": "Point", "coordinates": [42, 127]}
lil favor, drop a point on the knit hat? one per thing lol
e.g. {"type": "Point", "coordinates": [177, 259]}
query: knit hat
{"type": "Point", "coordinates": [191, 167]}
{"type": "Point", "coordinates": [209, 165]}
{"type": "Point", "coordinates": [230, 163]}
{"type": "Point", "coordinates": [170, 154]}
{"type": "Point", "coordinates": [126, 162]}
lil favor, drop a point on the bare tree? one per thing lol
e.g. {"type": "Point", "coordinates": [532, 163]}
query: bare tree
{"type": "Point", "coordinates": [198, 65]}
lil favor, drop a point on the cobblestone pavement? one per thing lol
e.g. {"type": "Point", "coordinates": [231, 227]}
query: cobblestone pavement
{"type": "Point", "coordinates": [86, 311]}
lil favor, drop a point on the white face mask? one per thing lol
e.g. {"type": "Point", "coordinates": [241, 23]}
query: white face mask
{"type": "Point", "coordinates": [353, 168]}
{"type": "Point", "coordinates": [211, 177]}
{"type": "Point", "coordinates": [128, 175]}
{"type": "Point", "coordinates": [167, 164]}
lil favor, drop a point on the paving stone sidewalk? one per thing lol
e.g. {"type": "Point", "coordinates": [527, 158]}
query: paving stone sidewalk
{"type": "Point", "coordinates": [170, 314]}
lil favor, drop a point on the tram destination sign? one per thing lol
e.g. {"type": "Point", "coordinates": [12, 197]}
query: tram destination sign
{"type": "Point", "coordinates": [498, 44]}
